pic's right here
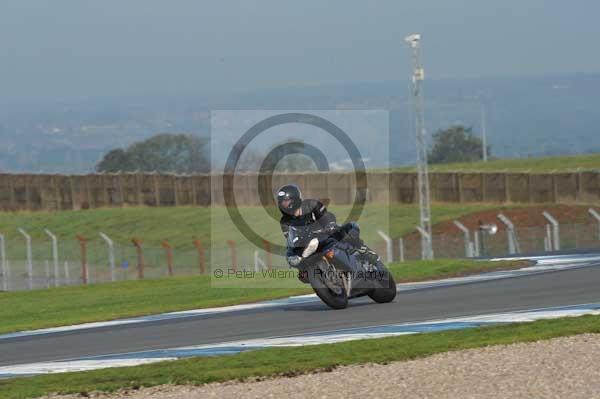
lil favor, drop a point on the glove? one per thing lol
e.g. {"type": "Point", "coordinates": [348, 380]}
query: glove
{"type": "Point", "coordinates": [294, 260]}
{"type": "Point", "coordinates": [331, 228]}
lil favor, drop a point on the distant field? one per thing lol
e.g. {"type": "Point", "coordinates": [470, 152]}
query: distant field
{"type": "Point", "coordinates": [546, 164]}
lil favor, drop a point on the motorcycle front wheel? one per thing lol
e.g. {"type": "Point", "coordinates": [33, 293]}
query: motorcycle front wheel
{"type": "Point", "coordinates": [328, 285]}
{"type": "Point", "coordinates": [386, 292]}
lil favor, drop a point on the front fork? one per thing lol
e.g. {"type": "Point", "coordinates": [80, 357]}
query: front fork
{"type": "Point", "coordinates": [344, 277]}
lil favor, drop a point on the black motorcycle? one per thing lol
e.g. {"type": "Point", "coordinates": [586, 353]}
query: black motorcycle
{"type": "Point", "coordinates": [338, 275]}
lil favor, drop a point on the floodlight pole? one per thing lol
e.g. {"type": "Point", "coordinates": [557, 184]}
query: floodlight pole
{"type": "Point", "coordinates": [424, 238]}
{"type": "Point", "coordinates": [483, 131]}
{"type": "Point", "coordinates": [422, 169]}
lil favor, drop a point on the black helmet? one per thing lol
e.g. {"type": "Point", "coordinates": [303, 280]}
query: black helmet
{"type": "Point", "coordinates": [292, 193]}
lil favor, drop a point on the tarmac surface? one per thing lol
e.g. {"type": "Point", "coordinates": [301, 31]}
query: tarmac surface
{"type": "Point", "coordinates": [554, 288]}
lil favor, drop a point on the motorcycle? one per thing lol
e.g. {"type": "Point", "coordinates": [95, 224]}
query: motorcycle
{"type": "Point", "coordinates": [337, 275]}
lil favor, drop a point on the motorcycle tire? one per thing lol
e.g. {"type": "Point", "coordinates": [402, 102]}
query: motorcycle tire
{"type": "Point", "coordinates": [387, 290]}
{"type": "Point", "coordinates": [330, 298]}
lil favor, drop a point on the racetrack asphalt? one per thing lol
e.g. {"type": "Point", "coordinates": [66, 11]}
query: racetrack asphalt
{"type": "Point", "coordinates": [568, 287]}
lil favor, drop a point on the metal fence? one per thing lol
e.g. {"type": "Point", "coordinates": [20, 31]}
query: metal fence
{"type": "Point", "coordinates": [43, 264]}
{"type": "Point", "coordinates": [527, 240]}
{"type": "Point", "coordinates": [77, 262]}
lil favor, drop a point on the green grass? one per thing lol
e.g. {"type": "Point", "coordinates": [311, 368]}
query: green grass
{"type": "Point", "coordinates": [540, 165]}
{"type": "Point", "coordinates": [446, 268]}
{"type": "Point", "coordinates": [180, 225]}
{"type": "Point", "coordinates": [291, 361]}
{"type": "Point", "coordinates": [25, 310]}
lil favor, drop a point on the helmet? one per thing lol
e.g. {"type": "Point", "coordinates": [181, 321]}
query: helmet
{"type": "Point", "coordinates": [289, 198]}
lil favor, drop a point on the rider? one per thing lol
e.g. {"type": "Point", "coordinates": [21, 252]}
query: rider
{"type": "Point", "coordinates": [298, 212]}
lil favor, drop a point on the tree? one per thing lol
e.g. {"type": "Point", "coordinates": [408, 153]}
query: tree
{"type": "Point", "coordinates": [292, 156]}
{"type": "Point", "coordinates": [456, 144]}
{"type": "Point", "coordinates": [180, 153]}
{"type": "Point", "coordinates": [114, 161]}
{"type": "Point", "coordinates": [295, 163]}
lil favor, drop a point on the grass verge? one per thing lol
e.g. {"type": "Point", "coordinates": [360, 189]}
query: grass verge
{"type": "Point", "coordinates": [292, 361]}
{"type": "Point", "coordinates": [61, 306]}
{"type": "Point", "coordinates": [180, 225]}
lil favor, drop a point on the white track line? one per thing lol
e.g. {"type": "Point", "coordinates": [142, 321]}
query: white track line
{"type": "Point", "coordinates": [358, 333]}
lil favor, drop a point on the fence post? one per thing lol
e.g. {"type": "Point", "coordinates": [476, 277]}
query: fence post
{"type": "Point", "coordinates": [84, 265]}
{"type": "Point", "coordinates": [11, 189]}
{"type": "Point", "coordinates": [548, 240]}
{"type": "Point", "coordinates": [200, 248]}
{"type": "Point", "coordinates": [596, 216]}
{"type": "Point", "coordinates": [67, 275]}
{"type": "Point", "coordinates": [111, 255]}
{"type": "Point", "coordinates": [401, 248]}
{"type": "Point", "coordinates": [169, 252]}
{"type": "Point", "coordinates": [556, 230]}
{"type": "Point", "coordinates": [388, 245]}
{"type": "Point", "coordinates": [54, 254]}
{"type": "Point", "coordinates": [258, 262]}
{"type": "Point", "coordinates": [175, 186]}
{"type": "Point", "coordinates": [120, 182]}
{"type": "Point", "coordinates": [8, 275]}
{"type": "Point", "coordinates": [549, 237]}
{"type": "Point", "coordinates": [424, 238]}
{"type": "Point", "coordinates": [233, 254]}
{"type": "Point", "coordinates": [29, 256]}
{"type": "Point", "coordinates": [513, 242]}
{"type": "Point", "coordinates": [269, 260]}
{"type": "Point", "coordinates": [3, 263]}
{"type": "Point", "coordinates": [460, 186]}
{"type": "Point", "coordinates": [140, 257]}
{"type": "Point", "coordinates": [47, 271]}
{"type": "Point", "coordinates": [467, 235]}
{"type": "Point", "coordinates": [139, 177]}
{"type": "Point", "coordinates": [156, 188]}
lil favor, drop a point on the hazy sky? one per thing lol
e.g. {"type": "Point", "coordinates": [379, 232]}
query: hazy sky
{"type": "Point", "coordinates": [65, 48]}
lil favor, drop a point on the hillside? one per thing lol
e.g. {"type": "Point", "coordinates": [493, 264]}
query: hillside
{"type": "Point", "coordinates": [533, 164]}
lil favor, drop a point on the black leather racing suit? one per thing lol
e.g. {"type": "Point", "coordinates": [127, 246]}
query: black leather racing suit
{"type": "Point", "coordinates": [315, 212]}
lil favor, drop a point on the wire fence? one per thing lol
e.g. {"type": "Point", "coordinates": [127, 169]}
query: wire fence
{"type": "Point", "coordinates": [76, 262]}
{"type": "Point", "coordinates": [527, 240]}
{"type": "Point", "coordinates": [90, 262]}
